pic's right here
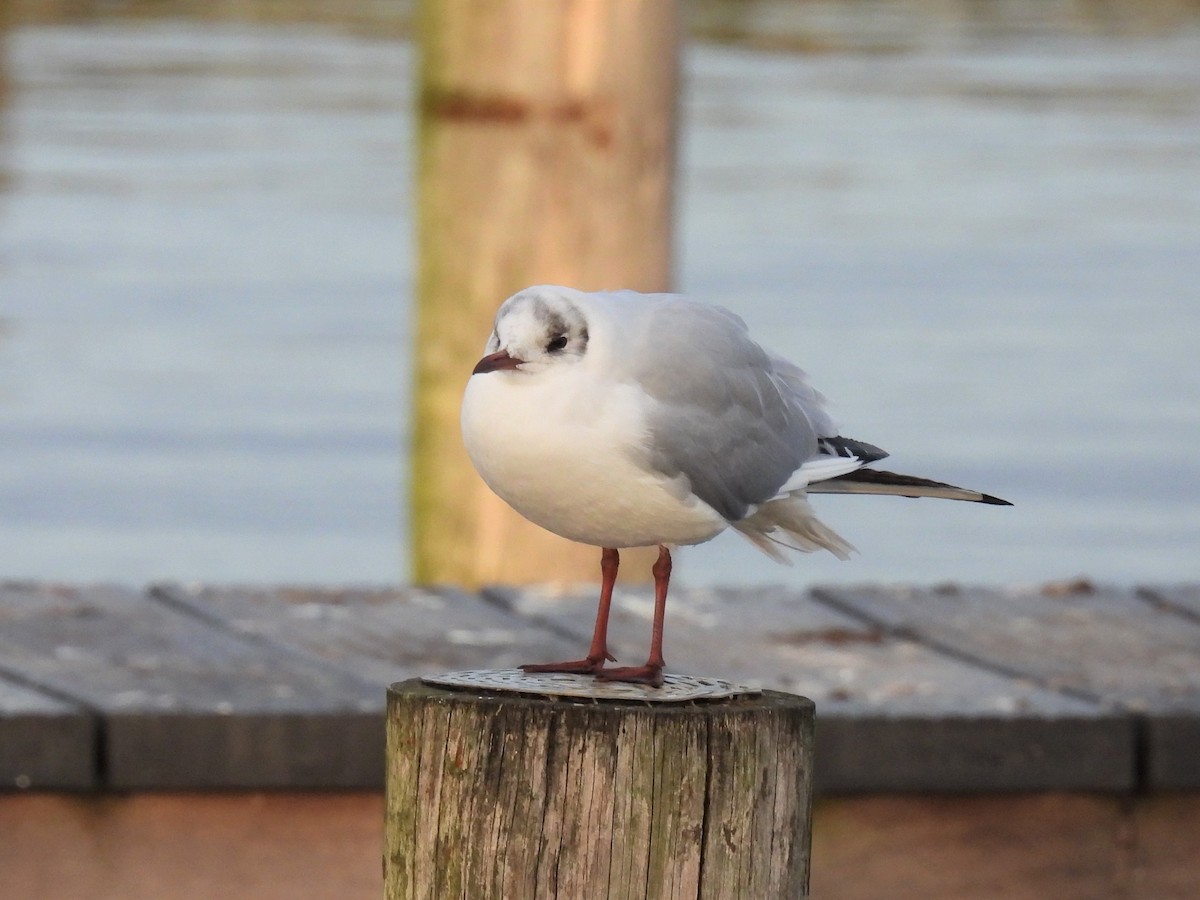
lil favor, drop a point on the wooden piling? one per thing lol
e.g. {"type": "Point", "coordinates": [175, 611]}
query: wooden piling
{"type": "Point", "coordinates": [546, 155]}
{"type": "Point", "coordinates": [508, 797]}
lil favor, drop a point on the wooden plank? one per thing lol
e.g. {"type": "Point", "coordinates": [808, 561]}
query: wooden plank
{"type": "Point", "coordinates": [1076, 638]}
{"type": "Point", "coordinates": [187, 705]}
{"type": "Point", "coordinates": [381, 635]}
{"type": "Point", "coordinates": [1164, 839]}
{"type": "Point", "coordinates": [1100, 642]}
{"type": "Point", "coordinates": [1181, 599]}
{"type": "Point", "coordinates": [896, 712]}
{"type": "Point", "coordinates": [1022, 847]}
{"type": "Point", "coordinates": [1173, 739]}
{"type": "Point", "coordinates": [1172, 751]}
{"type": "Point", "coordinates": [152, 845]}
{"type": "Point", "coordinates": [317, 845]}
{"type": "Point", "coordinates": [892, 714]}
{"type": "Point", "coordinates": [45, 743]}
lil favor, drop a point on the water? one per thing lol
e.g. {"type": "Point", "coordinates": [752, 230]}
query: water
{"type": "Point", "coordinates": [984, 245]}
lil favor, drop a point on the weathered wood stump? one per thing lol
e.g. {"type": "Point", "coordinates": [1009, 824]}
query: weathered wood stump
{"type": "Point", "coordinates": [513, 796]}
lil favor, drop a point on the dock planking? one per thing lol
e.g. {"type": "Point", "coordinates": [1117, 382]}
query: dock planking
{"type": "Point", "coordinates": [943, 689]}
{"type": "Point", "coordinates": [892, 713]}
{"type": "Point", "coordinates": [184, 705]}
{"type": "Point", "coordinates": [1182, 600]}
{"type": "Point", "coordinates": [45, 743]}
{"type": "Point", "coordinates": [1102, 644]}
{"type": "Point", "coordinates": [381, 635]}
{"type": "Point", "coordinates": [1174, 737]}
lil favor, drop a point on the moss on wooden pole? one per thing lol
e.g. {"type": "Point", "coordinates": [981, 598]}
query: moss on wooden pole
{"type": "Point", "coordinates": [506, 796]}
{"type": "Point", "coordinates": [546, 155]}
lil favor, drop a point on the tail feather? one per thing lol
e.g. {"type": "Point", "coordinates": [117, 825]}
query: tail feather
{"type": "Point", "coordinates": [876, 481]}
{"type": "Point", "coordinates": [790, 522]}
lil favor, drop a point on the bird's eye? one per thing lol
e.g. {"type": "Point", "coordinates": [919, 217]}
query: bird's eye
{"type": "Point", "coordinates": [558, 343]}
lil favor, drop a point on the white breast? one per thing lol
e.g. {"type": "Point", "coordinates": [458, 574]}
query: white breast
{"type": "Point", "coordinates": [569, 454]}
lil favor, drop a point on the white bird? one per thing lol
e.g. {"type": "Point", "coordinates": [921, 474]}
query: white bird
{"type": "Point", "coordinates": [621, 419]}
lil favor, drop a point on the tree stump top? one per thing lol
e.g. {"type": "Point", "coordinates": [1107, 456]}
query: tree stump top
{"type": "Point", "coordinates": [675, 688]}
{"type": "Point", "coordinates": [512, 700]}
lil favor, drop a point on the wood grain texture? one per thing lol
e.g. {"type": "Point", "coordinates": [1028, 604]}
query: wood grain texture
{"type": "Point", "coordinates": [1019, 847]}
{"type": "Point", "coordinates": [503, 796]}
{"type": "Point", "coordinates": [381, 635]}
{"type": "Point", "coordinates": [184, 705]}
{"type": "Point", "coordinates": [546, 155]}
{"type": "Point", "coordinates": [1096, 643]}
{"type": "Point", "coordinates": [264, 846]}
{"type": "Point", "coordinates": [231, 845]}
{"type": "Point", "coordinates": [1008, 847]}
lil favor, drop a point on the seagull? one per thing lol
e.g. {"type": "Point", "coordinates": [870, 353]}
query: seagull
{"type": "Point", "coordinates": [620, 419]}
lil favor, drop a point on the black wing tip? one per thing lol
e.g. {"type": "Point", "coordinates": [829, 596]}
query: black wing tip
{"type": "Point", "coordinates": [994, 501]}
{"type": "Point", "coordinates": [898, 481]}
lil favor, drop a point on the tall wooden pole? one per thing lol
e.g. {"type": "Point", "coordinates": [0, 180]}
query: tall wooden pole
{"type": "Point", "coordinates": [547, 144]}
{"type": "Point", "coordinates": [505, 796]}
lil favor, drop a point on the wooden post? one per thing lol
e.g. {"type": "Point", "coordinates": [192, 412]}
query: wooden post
{"type": "Point", "coordinates": [508, 797]}
{"type": "Point", "coordinates": [546, 155]}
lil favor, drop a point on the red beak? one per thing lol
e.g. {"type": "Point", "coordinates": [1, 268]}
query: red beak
{"type": "Point", "coordinates": [494, 361]}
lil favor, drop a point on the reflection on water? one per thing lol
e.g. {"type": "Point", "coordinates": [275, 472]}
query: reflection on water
{"type": "Point", "coordinates": [978, 232]}
{"type": "Point", "coordinates": [379, 18]}
{"type": "Point", "coordinates": [840, 26]}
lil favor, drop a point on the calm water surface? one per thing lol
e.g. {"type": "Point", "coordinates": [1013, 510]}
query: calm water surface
{"type": "Point", "coordinates": [985, 250]}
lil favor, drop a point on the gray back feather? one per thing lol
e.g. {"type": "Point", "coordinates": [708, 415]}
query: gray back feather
{"type": "Point", "coordinates": [733, 419]}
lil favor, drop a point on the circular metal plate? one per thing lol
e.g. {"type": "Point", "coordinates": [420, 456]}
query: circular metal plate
{"type": "Point", "coordinates": [675, 689]}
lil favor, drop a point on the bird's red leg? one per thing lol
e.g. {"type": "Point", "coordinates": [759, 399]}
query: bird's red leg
{"type": "Point", "coordinates": [598, 652]}
{"type": "Point", "coordinates": [652, 672]}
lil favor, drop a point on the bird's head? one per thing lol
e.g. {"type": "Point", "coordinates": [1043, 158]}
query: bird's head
{"type": "Point", "coordinates": [536, 329]}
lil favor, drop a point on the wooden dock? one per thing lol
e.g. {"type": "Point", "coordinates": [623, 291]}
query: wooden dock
{"type": "Point", "coordinates": [1025, 742]}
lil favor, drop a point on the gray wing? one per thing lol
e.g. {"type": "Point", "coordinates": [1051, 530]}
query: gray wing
{"type": "Point", "coordinates": [724, 414]}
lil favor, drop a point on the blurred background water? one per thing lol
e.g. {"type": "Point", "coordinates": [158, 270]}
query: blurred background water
{"type": "Point", "coordinates": [977, 225]}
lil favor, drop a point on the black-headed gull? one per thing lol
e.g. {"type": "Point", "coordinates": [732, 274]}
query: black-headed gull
{"type": "Point", "coordinates": [628, 420]}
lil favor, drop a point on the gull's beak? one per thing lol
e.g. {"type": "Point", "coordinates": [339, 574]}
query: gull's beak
{"type": "Point", "coordinates": [494, 361]}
